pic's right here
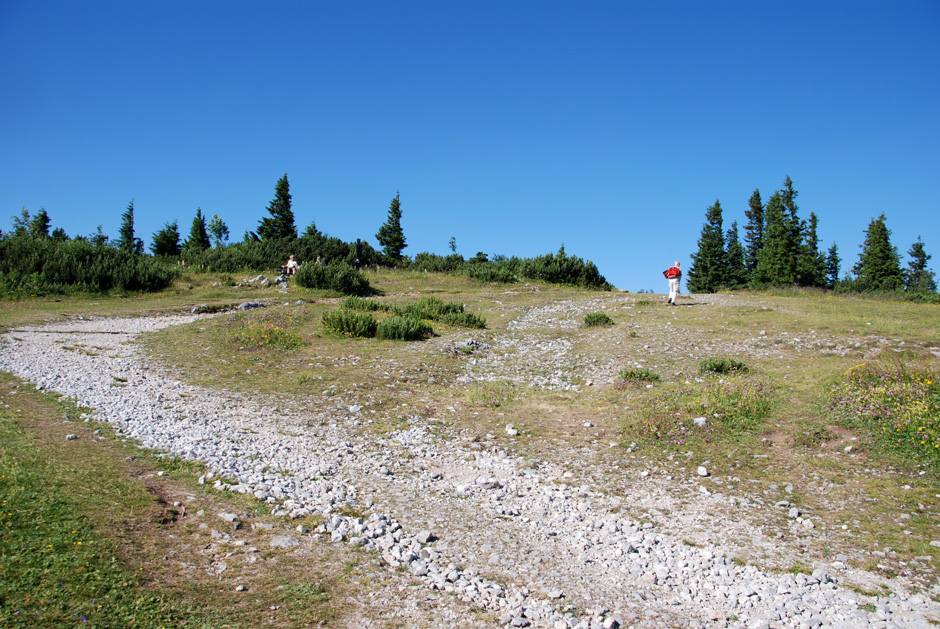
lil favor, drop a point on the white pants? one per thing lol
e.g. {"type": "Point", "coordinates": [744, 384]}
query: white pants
{"type": "Point", "coordinates": [673, 289]}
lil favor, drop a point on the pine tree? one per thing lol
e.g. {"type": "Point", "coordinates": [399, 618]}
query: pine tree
{"type": "Point", "coordinates": [776, 260]}
{"type": "Point", "coordinates": [280, 224]}
{"type": "Point", "coordinates": [39, 225]}
{"type": "Point", "coordinates": [59, 235]}
{"type": "Point", "coordinates": [127, 241]}
{"type": "Point", "coordinates": [833, 266]}
{"type": "Point", "coordinates": [311, 231]}
{"type": "Point", "coordinates": [22, 224]}
{"type": "Point", "coordinates": [736, 271]}
{"type": "Point", "coordinates": [166, 242]}
{"type": "Point", "coordinates": [198, 236]}
{"type": "Point", "coordinates": [879, 265]}
{"type": "Point", "coordinates": [707, 273]}
{"type": "Point", "coordinates": [99, 238]}
{"type": "Point", "coordinates": [753, 231]}
{"type": "Point", "coordinates": [811, 265]}
{"type": "Point", "coordinates": [218, 229]}
{"type": "Point", "coordinates": [390, 235]}
{"type": "Point", "coordinates": [918, 277]}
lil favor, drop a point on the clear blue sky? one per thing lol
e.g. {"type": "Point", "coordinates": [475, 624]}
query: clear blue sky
{"type": "Point", "coordinates": [514, 126]}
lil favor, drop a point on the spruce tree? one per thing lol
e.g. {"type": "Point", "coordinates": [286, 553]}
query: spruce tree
{"type": "Point", "coordinates": [833, 266]}
{"type": "Point", "coordinates": [811, 265]}
{"type": "Point", "coordinates": [879, 265]}
{"type": "Point", "coordinates": [280, 224]}
{"type": "Point", "coordinates": [707, 273]}
{"type": "Point", "coordinates": [917, 277]}
{"type": "Point", "coordinates": [166, 242]}
{"type": "Point", "coordinates": [127, 241]}
{"type": "Point", "coordinates": [753, 231]}
{"type": "Point", "coordinates": [39, 225]}
{"type": "Point", "coordinates": [736, 271]}
{"type": "Point", "coordinates": [198, 235]}
{"type": "Point", "coordinates": [311, 231]}
{"type": "Point", "coordinates": [390, 235]}
{"type": "Point", "coordinates": [776, 261]}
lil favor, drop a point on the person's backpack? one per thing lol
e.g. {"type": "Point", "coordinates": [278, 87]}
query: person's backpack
{"type": "Point", "coordinates": [672, 272]}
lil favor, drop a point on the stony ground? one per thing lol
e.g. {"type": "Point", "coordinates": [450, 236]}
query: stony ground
{"type": "Point", "coordinates": [473, 531]}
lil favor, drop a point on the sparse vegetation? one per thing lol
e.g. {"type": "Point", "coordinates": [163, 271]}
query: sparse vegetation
{"type": "Point", "coordinates": [722, 366]}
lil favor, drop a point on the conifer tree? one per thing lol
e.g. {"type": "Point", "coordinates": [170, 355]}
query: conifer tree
{"type": "Point", "coordinates": [917, 277]}
{"type": "Point", "coordinates": [127, 241]}
{"type": "Point", "coordinates": [198, 235]}
{"type": "Point", "coordinates": [311, 230]}
{"type": "Point", "coordinates": [833, 266]}
{"type": "Point", "coordinates": [737, 275]}
{"type": "Point", "coordinates": [39, 225]}
{"type": "Point", "coordinates": [753, 231]}
{"type": "Point", "coordinates": [776, 260]}
{"type": "Point", "coordinates": [390, 235]}
{"type": "Point", "coordinates": [811, 265]}
{"type": "Point", "coordinates": [879, 265]}
{"type": "Point", "coordinates": [707, 273]}
{"type": "Point", "coordinates": [166, 242]}
{"type": "Point", "coordinates": [280, 224]}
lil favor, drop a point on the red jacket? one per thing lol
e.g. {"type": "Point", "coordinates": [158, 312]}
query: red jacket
{"type": "Point", "coordinates": [672, 272]}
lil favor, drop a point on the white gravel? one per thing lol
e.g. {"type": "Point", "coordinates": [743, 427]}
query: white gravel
{"type": "Point", "coordinates": [523, 542]}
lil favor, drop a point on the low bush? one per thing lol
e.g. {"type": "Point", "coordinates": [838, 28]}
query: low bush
{"type": "Point", "coordinates": [336, 277]}
{"type": "Point", "coordinates": [722, 366]}
{"type": "Point", "coordinates": [364, 305]}
{"type": "Point", "coordinates": [638, 375]}
{"type": "Point", "coordinates": [898, 404]}
{"type": "Point", "coordinates": [347, 323]}
{"type": "Point", "coordinates": [464, 320]}
{"type": "Point", "coordinates": [597, 318]}
{"type": "Point", "coordinates": [403, 329]}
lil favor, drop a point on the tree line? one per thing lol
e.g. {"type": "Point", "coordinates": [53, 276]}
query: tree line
{"type": "Point", "coordinates": [782, 249]}
{"type": "Point", "coordinates": [27, 248]}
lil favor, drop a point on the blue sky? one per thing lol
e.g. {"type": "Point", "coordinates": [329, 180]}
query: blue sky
{"type": "Point", "coordinates": [514, 126]}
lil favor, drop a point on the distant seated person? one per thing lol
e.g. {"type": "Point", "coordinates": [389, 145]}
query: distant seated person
{"type": "Point", "coordinates": [290, 267]}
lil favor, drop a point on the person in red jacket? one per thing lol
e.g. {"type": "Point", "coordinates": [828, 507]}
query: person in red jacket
{"type": "Point", "coordinates": [674, 275]}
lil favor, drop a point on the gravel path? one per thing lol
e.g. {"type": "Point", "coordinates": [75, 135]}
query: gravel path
{"type": "Point", "coordinates": [534, 545]}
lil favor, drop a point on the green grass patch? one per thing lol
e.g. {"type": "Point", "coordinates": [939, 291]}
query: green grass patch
{"type": "Point", "coordinates": [268, 331]}
{"type": "Point", "coordinates": [897, 403]}
{"type": "Point", "coordinates": [638, 375]}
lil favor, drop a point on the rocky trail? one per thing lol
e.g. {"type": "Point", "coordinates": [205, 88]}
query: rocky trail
{"type": "Point", "coordinates": [541, 543]}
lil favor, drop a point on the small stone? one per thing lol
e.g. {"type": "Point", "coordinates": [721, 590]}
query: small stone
{"type": "Point", "coordinates": [424, 537]}
{"type": "Point", "coordinates": [793, 513]}
{"type": "Point", "coordinates": [808, 524]}
{"type": "Point", "coordinates": [555, 594]}
{"type": "Point", "coordinates": [283, 541]}
{"type": "Point", "coordinates": [699, 421]}
{"type": "Point", "coordinates": [240, 588]}
{"type": "Point", "coordinates": [71, 437]}
{"type": "Point", "coordinates": [511, 430]}
{"type": "Point", "coordinates": [228, 517]}
{"type": "Point", "coordinates": [702, 471]}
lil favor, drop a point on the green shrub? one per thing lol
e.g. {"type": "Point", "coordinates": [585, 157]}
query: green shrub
{"type": "Point", "coordinates": [429, 308]}
{"type": "Point", "coordinates": [363, 304]}
{"type": "Point", "coordinates": [403, 329]}
{"type": "Point", "coordinates": [348, 323]}
{"type": "Point", "coordinates": [638, 375]}
{"type": "Point", "coordinates": [336, 277]}
{"type": "Point", "coordinates": [464, 320]}
{"type": "Point", "coordinates": [722, 365]}
{"type": "Point", "coordinates": [597, 318]}
{"type": "Point", "coordinates": [268, 331]}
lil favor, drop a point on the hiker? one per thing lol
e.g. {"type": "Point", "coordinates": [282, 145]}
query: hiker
{"type": "Point", "coordinates": [290, 267]}
{"type": "Point", "coordinates": [674, 275]}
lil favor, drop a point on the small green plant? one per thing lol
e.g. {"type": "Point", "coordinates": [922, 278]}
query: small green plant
{"type": "Point", "coordinates": [643, 303]}
{"type": "Point", "coordinates": [597, 318]}
{"type": "Point", "coordinates": [638, 375]}
{"type": "Point", "coordinates": [340, 278]}
{"type": "Point", "coordinates": [403, 329]}
{"type": "Point", "coordinates": [722, 366]}
{"type": "Point", "coordinates": [354, 324]}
